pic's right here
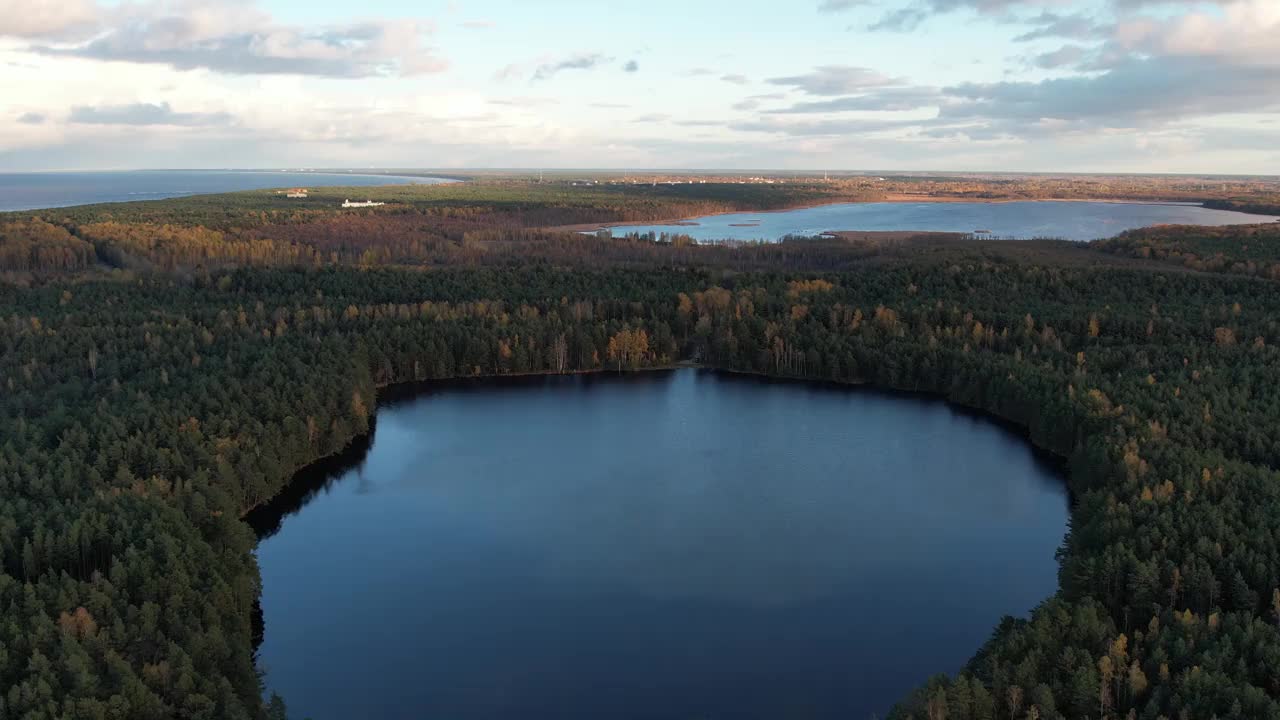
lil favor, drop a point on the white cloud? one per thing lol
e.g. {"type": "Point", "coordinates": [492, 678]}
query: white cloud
{"type": "Point", "coordinates": [48, 18]}
{"type": "Point", "coordinates": [828, 6]}
{"type": "Point", "coordinates": [581, 61]}
{"type": "Point", "coordinates": [1135, 93]}
{"type": "Point", "coordinates": [843, 127]}
{"type": "Point", "coordinates": [1056, 25]}
{"type": "Point", "coordinates": [230, 36]}
{"type": "Point", "coordinates": [144, 114]}
{"type": "Point", "coordinates": [155, 82]}
{"type": "Point", "coordinates": [1245, 32]}
{"type": "Point", "coordinates": [893, 99]}
{"type": "Point", "coordinates": [835, 80]}
{"type": "Point", "coordinates": [1151, 70]}
{"type": "Point", "coordinates": [1065, 56]}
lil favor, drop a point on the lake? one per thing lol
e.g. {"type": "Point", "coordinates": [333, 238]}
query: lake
{"type": "Point", "coordinates": [1025, 220]}
{"type": "Point", "coordinates": [676, 544]}
{"type": "Point", "coordinates": [32, 191]}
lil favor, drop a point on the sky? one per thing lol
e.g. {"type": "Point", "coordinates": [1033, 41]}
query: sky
{"type": "Point", "coordinates": [964, 85]}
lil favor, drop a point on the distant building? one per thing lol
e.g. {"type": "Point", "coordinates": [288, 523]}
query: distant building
{"type": "Point", "coordinates": [296, 193]}
{"type": "Point", "coordinates": [366, 203]}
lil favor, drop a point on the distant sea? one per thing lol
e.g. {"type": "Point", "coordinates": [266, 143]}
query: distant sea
{"type": "Point", "coordinates": [32, 191]}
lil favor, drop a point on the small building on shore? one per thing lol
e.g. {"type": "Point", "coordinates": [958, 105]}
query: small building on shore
{"type": "Point", "coordinates": [296, 193]}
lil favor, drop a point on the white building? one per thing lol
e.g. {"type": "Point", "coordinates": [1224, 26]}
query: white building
{"type": "Point", "coordinates": [366, 203]}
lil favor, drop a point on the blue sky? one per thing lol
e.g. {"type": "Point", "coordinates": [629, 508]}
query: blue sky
{"type": "Point", "coordinates": [1048, 85]}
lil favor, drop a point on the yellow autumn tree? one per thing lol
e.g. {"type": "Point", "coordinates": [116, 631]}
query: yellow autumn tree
{"type": "Point", "coordinates": [78, 623]}
{"type": "Point", "coordinates": [628, 348]}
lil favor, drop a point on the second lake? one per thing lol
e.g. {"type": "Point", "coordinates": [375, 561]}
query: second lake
{"type": "Point", "coordinates": [1023, 220]}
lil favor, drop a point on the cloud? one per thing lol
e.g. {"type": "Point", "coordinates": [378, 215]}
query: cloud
{"type": "Point", "coordinates": [1134, 86]}
{"type": "Point", "coordinates": [754, 101]}
{"type": "Point", "coordinates": [822, 127]}
{"type": "Point", "coordinates": [835, 80]}
{"type": "Point", "coordinates": [1134, 4]}
{"type": "Point", "coordinates": [887, 99]}
{"type": "Point", "coordinates": [48, 19]}
{"type": "Point", "coordinates": [990, 7]}
{"type": "Point", "coordinates": [582, 61]}
{"type": "Point", "coordinates": [1054, 25]}
{"type": "Point", "coordinates": [908, 18]}
{"type": "Point", "coordinates": [901, 20]}
{"type": "Point", "coordinates": [1141, 92]}
{"type": "Point", "coordinates": [735, 79]}
{"type": "Point", "coordinates": [631, 66]}
{"type": "Point", "coordinates": [839, 5]}
{"type": "Point", "coordinates": [1142, 72]}
{"type": "Point", "coordinates": [1243, 32]}
{"type": "Point", "coordinates": [1065, 56]}
{"type": "Point", "coordinates": [479, 24]}
{"type": "Point", "coordinates": [231, 37]}
{"type": "Point", "coordinates": [143, 114]}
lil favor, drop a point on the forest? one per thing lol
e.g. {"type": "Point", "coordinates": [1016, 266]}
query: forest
{"type": "Point", "coordinates": [168, 366]}
{"type": "Point", "coordinates": [496, 220]}
{"type": "Point", "coordinates": [1239, 249]}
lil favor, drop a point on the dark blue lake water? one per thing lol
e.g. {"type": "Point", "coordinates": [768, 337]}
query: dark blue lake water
{"type": "Point", "coordinates": [681, 544]}
{"type": "Point", "coordinates": [30, 191]}
{"type": "Point", "coordinates": [1026, 220]}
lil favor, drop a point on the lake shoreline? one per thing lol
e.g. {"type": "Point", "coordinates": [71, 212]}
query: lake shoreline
{"type": "Point", "coordinates": [387, 392]}
{"type": "Point", "coordinates": [390, 393]}
{"type": "Point", "coordinates": [348, 495]}
{"type": "Point", "coordinates": [893, 199]}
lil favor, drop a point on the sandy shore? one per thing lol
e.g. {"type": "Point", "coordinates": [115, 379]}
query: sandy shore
{"type": "Point", "coordinates": [692, 221]}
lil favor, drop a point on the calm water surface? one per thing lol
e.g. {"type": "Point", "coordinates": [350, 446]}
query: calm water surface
{"type": "Point", "coordinates": [31, 191]}
{"type": "Point", "coordinates": [665, 545]}
{"type": "Point", "coordinates": [1027, 220]}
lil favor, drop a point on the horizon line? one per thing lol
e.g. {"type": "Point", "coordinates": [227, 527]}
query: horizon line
{"type": "Point", "coordinates": [389, 170]}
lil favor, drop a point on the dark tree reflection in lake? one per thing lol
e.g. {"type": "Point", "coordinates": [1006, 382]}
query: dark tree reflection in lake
{"type": "Point", "coordinates": [666, 545]}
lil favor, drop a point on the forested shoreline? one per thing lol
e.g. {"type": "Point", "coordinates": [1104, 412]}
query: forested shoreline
{"type": "Point", "coordinates": [496, 220]}
{"type": "Point", "coordinates": [146, 410]}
